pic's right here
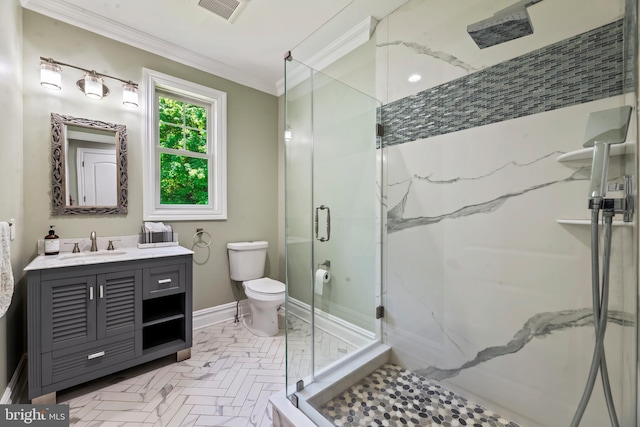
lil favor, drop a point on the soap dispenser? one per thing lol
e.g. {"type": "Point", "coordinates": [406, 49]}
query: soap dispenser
{"type": "Point", "coordinates": [51, 243]}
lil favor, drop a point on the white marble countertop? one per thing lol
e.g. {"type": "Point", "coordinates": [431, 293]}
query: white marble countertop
{"type": "Point", "coordinates": [102, 256]}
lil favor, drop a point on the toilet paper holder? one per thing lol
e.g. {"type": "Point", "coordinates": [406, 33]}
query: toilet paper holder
{"type": "Point", "coordinates": [326, 265]}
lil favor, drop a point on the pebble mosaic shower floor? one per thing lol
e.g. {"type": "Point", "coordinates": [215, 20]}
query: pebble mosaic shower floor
{"type": "Point", "coordinates": [393, 396]}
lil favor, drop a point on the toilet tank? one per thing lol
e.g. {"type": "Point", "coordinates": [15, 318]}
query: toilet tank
{"type": "Point", "coordinates": [246, 260]}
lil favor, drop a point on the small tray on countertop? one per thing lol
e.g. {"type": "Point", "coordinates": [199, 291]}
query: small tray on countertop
{"type": "Point", "coordinates": [156, 245]}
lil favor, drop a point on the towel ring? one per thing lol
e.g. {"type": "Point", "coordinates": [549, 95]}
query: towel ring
{"type": "Point", "coordinates": [198, 241]}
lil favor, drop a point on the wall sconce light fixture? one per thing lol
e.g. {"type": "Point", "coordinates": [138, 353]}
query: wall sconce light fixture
{"type": "Point", "coordinates": [92, 84]}
{"type": "Point", "coordinates": [50, 76]}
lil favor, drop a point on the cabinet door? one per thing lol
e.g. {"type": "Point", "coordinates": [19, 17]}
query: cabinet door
{"type": "Point", "coordinates": [68, 312]}
{"type": "Point", "coordinates": [118, 295]}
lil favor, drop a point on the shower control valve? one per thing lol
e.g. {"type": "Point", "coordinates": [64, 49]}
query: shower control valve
{"type": "Point", "coordinates": [624, 205]}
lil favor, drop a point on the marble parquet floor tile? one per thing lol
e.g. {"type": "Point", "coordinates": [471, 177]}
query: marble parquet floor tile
{"type": "Point", "coordinates": [227, 381]}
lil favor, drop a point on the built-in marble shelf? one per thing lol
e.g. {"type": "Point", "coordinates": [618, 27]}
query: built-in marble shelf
{"type": "Point", "coordinates": [588, 222]}
{"type": "Point", "coordinates": [628, 147]}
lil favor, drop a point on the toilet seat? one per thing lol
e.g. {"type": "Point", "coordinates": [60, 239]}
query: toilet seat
{"type": "Point", "coordinates": [265, 286]}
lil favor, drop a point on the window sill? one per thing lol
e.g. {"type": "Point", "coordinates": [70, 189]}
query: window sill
{"type": "Point", "coordinates": [184, 215]}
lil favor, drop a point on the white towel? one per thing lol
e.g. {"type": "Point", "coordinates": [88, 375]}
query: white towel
{"type": "Point", "coordinates": [156, 227]}
{"type": "Point", "coordinates": [6, 275]}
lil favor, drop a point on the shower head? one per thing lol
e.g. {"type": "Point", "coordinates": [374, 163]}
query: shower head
{"type": "Point", "coordinates": [604, 128]}
{"type": "Point", "coordinates": [507, 24]}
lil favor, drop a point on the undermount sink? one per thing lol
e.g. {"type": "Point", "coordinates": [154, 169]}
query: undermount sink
{"type": "Point", "coordinates": [98, 254]}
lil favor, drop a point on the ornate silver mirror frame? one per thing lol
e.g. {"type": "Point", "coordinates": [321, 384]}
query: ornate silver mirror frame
{"type": "Point", "coordinates": [59, 124]}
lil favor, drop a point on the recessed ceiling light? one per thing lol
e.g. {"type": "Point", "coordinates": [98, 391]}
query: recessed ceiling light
{"type": "Point", "coordinates": [414, 78]}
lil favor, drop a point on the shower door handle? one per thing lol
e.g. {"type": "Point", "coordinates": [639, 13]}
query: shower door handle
{"type": "Point", "coordinates": [323, 239]}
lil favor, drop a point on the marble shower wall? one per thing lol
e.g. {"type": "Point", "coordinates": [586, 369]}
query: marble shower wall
{"type": "Point", "coordinates": [484, 289]}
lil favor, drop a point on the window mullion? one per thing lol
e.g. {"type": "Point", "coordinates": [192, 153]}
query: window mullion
{"type": "Point", "coordinates": [185, 153]}
{"type": "Point", "coordinates": [184, 126]}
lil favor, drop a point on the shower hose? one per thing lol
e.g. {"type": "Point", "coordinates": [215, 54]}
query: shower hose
{"type": "Point", "coordinates": [600, 313]}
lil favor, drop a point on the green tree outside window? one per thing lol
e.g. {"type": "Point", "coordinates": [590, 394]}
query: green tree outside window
{"type": "Point", "coordinates": [183, 178]}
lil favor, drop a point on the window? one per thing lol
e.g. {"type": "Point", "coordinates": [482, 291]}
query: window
{"type": "Point", "coordinates": [185, 153]}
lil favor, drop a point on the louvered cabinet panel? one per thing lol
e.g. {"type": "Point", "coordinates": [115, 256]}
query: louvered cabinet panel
{"type": "Point", "coordinates": [117, 310]}
{"type": "Point", "coordinates": [68, 312]}
{"type": "Point", "coordinates": [73, 362]}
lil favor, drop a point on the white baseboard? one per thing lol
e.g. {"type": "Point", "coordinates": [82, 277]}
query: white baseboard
{"type": "Point", "coordinates": [17, 383]}
{"type": "Point", "coordinates": [219, 313]}
{"type": "Point", "coordinates": [334, 325]}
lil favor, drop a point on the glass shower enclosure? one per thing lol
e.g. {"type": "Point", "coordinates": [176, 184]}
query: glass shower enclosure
{"type": "Point", "coordinates": [332, 223]}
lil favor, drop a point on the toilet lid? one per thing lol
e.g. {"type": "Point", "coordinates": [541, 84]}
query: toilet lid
{"type": "Point", "coordinates": [265, 286]}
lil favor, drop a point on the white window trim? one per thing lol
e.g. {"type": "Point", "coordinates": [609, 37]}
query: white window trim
{"type": "Point", "coordinates": [152, 210]}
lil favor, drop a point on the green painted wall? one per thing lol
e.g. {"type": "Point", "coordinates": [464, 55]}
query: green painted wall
{"type": "Point", "coordinates": [251, 150]}
{"type": "Point", "coordinates": [11, 172]}
{"type": "Point", "coordinates": [252, 157]}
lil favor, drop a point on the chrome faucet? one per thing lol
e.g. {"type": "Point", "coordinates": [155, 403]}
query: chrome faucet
{"type": "Point", "coordinates": [94, 246]}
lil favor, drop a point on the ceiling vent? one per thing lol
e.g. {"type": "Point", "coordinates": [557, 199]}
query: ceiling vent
{"type": "Point", "coordinates": [227, 9]}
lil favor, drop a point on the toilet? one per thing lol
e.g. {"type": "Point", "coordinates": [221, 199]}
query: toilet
{"type": "Point", "coordinates": [246, 265]}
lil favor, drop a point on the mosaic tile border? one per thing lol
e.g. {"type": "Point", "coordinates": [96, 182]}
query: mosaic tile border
{"type": "Point", "coordinates": [395, 397]}
{"type": "Point", "coordinates": [580, 69]}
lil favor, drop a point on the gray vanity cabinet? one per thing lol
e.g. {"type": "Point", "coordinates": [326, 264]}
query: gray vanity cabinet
{"type": "Point", "coordinates": [88, 321]}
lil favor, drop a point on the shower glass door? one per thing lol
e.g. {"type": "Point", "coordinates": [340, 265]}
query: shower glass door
{"type": "Point", "coordinates": [332, 222]}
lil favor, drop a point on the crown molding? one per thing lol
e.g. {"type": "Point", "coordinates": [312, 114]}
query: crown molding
{"type": "Point", "coordinates": [349, 41]}
{"type": "Point", "coordinates": [87, 20]}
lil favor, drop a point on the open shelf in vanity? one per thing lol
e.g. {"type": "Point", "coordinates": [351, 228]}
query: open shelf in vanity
{"type": "Point", "coordinates": [164, 309]}
{"type": "Point", "coordinates": [163, 322]}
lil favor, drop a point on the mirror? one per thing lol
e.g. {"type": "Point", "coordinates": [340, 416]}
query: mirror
{"type": "Point", "coordinates": [88, 166]}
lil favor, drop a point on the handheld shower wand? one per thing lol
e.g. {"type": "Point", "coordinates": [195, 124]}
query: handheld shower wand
{"type": "Point", "coordinates": [599, 169]}
{"type": "Point", "coordinates": [604, 128]}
